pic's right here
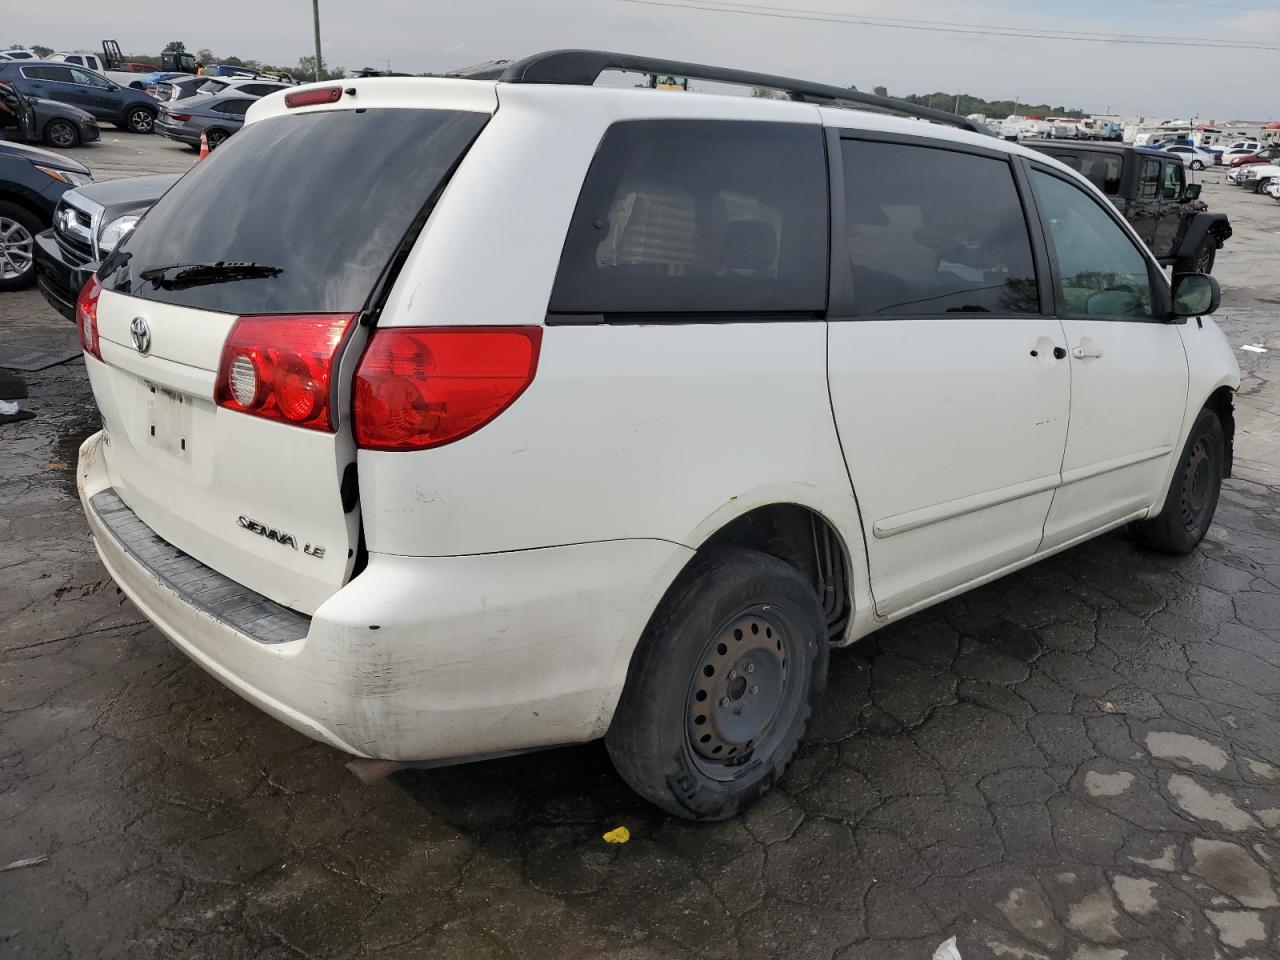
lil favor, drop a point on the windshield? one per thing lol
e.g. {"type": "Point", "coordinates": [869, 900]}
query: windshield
{"type": "Point", "coordinates": [308, 210]}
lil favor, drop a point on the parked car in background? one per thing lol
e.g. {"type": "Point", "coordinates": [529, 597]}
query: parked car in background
{"type": "Point", "coordinates": [1273, 189]}
{"type": "Point", "coordinates": [1149, 187]}
{"type": "Point", "coordinates": [125, 107]}
{"type": "Point", "coordinates": [1256, 176]}
{"type": "Point", "coordinates": [324, 423]}
{"type": "Point", "coordinates": [38, 120]}
{"type": "Point", "coordinates": [32, 181]}
{"type": "Point", "coordinates": [217, 117]}
{"type": "Point", "coordinates": [1264, 155]}
{"type": "Point", "coordinates": [246, 86]}
{"type": "Point", "coordinates": [124, 74]}
{"type": "Point", "coordinates": [87, 225]}
{"type": "Point", "coordinates": [177, 88]}
{"type": "Point", "coordinates": [19, 55]}
{"type": "Point", "coordinates": [1193, 157]}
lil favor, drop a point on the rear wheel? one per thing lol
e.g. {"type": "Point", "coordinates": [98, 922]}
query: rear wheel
{"type": "Point", "coordinates": [216, 138]}
{"type": "Point", "coordinates": [722, 685]}
{"type": "Point", "coordinates": [18, 230]}
{"type": "Point", "coordinates": [1192, 499]}
{"type": "Point", "coordinates": [61, 133]}
{"type": "Point", "coordinates": [1197, 164]}
{"type": "Point", "coordinates": [140, 120]}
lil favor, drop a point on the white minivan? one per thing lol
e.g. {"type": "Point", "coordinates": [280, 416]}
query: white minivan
{"type": "Point", "coordinates": [450, 418]}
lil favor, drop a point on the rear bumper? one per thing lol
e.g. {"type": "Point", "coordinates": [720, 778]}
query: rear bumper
{"type": "Point", "coordinates": [60, 277]}
{"type": "Point", "coordinates": [178, 132]}
{"type": "Point", "coordinates": [417, 658]}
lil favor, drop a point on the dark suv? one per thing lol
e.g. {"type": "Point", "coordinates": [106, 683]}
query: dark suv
{"type": "Point", "coordinates": [127, 108]}
{"type": "Point", "coordinates": [1150, 188]}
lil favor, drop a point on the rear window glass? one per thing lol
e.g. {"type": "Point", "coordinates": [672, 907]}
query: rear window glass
{"type": "Point", "coordinates": [685, 216]}
{"type": "Point", "coordinates": [1102, 169]}
{"type": "Point", "coordinates": [324, 197]}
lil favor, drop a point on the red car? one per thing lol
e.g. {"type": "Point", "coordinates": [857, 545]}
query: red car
{"type": "Point", "coordinates": [1268, 155]}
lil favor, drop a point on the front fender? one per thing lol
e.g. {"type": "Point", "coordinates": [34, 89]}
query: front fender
{"type": "Point", "coordinates": [1196, 227]}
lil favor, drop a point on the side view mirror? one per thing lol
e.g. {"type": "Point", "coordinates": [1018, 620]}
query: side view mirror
{"type": "Point", "coordinates": [1192, 191]}
{"type": "Point", "coordinates": [113, 88]}
{"type": "Point", "coordinates": [1195, 295]}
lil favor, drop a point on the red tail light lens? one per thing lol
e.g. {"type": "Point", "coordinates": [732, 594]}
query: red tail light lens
{"type": "Point", "coordinates": [420, 387]}
{"type": "Point", "coordinates": [182, 117]}
{"type": "Point", "coordinates": [309, 98]}
{"type": "Point", "coordinates": [281, 367]}
{"type": "Point", "coordinates": [87, 317]}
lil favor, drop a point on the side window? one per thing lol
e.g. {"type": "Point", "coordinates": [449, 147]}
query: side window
{"type": "Point", "coordinates": [1174, 180]}
{"type": "Point", "coordinates": [76, 60]}
{"type": "Point", "coordinates": [1149, 189]}
{"type": "Point", "coordinates": [933, 231]}
{"type": "Point", "coordinates": [1101, 271]}
{"type": "Point", "coordinates": [85, 78]}
{"type": "Point", "coordinates": [235, 108]}
{"type": "Point", "coordinates": [699, 216]}
{"type": "Point", "coordinates": [60, 74]}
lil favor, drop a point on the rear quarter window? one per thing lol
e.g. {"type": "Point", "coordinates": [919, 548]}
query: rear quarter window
{"type": "Point", "coordinates": [699, 217]}
{"type": "Point", "coordinates": [326, 197]}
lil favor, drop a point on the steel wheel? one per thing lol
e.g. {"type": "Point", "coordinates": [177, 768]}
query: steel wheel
{"type": "Point", "coordinates": [1199, 480]}
{"type": "Point", "coordinates": [738, 692]}
{"type": "Point", "coordinates": [16, 249]}
{"type": "Point", "coordinates": [61, 133]}
{"type": "Point", "coordinates": [141, 120]}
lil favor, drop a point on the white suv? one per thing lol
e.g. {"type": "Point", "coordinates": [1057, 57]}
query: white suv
{"type": "Point", "coordinates": [575, 411]}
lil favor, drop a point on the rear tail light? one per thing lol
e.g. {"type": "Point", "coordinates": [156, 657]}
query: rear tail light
{"type": "Point", "coordinates": [420, 387]}
{"type": "Point", "coordinates": [281, 367]}
{"type": "Point", "coordinates": [309, 98]}
{"type": "Point", "coordinates": [87, 317]}
{"type": "Point", "coordinates": [181, 117]}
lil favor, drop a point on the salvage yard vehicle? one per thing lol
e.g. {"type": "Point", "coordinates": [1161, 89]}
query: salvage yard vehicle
{"type": "Point", "coordinates": [1149, 187]}
{"type": "Point", "coordinates": [38, 120]}
{"type": "Point", "coordinates": [1256, 176]}
{"type": "Point", "coordinates": [719, 415]}
{"type": "Point", "coordinates": [125, 107]}
{"type": "Point", "coordinates": [216, 117]}
{"type": "Point", "coordinates": [32, 181]}
{"type": "Point", "coordinates": [88, 223]}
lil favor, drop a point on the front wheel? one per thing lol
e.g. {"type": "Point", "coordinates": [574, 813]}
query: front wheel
{"type": "Point", "coordinates": [18, 229]}
{"type": "Point", "coordinates": [62, 133]}
{"type": "Point", "coordinates": [1259, 184]}
{"type": "Point", "coordinates": [721, 686]}
{"type": "Point", "coordinates": [140, 120]}
{"type": "Point", "coordinates": [1192, 499]}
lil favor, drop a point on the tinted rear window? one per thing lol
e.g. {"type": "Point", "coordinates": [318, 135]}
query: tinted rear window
{"type": "Point", "coordinates": [1105, 170]}
{"type": "Point", "coordinates": [326, 197]}
{"type": "Point", "coordinates": [695, 216]}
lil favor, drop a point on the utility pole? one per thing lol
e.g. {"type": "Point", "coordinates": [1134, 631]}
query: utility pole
{"type": "Point", "coordinates": [315, 10]}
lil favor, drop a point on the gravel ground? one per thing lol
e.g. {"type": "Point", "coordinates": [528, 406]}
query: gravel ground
{"type": "Point", "coordinates": [1081, 760]}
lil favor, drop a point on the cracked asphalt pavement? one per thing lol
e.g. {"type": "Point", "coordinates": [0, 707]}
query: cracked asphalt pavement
{"type": "Point", "coordinates": [1080, 761]}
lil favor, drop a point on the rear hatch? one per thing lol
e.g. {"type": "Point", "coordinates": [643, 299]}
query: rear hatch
{"type": "Point", "coordinates": [231, 319]}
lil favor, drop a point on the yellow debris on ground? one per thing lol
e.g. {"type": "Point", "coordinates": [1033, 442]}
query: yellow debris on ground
{"type": "Point", "coordinates": [617, 835]}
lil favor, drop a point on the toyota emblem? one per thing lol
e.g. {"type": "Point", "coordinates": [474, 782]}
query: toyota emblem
{"type": "Point", "coordinates": [140, 333]}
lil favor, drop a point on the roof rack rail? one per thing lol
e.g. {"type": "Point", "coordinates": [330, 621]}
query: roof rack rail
{"type": "Point", "coordinates": [583, 68]}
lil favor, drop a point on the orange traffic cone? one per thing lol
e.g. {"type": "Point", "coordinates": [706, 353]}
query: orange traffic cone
{"type": "Point", "coordinates": [204, 146]}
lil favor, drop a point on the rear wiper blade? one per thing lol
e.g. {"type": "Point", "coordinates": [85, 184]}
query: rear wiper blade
{"type": "Point", "coordinates": [176, 276]}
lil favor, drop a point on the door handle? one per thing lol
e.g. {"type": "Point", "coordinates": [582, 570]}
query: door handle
{"type": "Point", "coordinates": [1085, 353]}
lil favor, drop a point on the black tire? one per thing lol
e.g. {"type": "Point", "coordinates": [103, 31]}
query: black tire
{"type": "Point", "coordinates": [1197, 164]}
{"type": "Point", "coordinates": [1193, 495]}
{"type": "Point", "coordinates": [140, 120]}
{"type": "Point", "coordinates": [62, 134]}
{"type": "Point", "coordinates": [1202, 260]}
{"type": "Point", "coordinates": [1260, 183]}
{"type": "Point", "coordinates": [732, 614]}
{"type": "Point", "coordinates": [216, 138]}
{"type": "Point", "coordinates": [18, 229]}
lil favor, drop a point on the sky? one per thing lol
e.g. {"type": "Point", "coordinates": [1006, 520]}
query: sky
{"type": "Point", "coordinates": [1152, 80]}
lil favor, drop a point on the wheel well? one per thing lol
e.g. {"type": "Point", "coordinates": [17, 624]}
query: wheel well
{"type": "Point", "coordinates": [1220, 402]}
{"type": "Point", "coordinates": [26, 205]}
{"type": "Point", "coordinates": [807, 541]}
